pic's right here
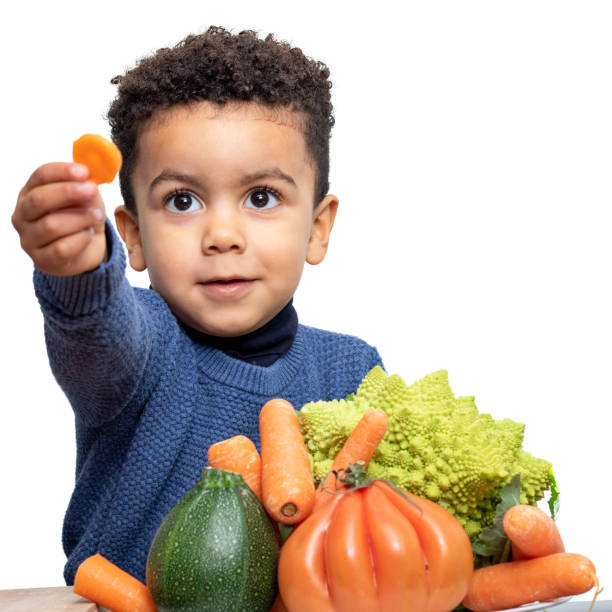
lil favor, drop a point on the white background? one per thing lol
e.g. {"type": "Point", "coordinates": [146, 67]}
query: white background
{"type": "Point", "coordinates": [472, 156]}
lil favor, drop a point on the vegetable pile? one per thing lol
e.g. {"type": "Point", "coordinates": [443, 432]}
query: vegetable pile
{"type": "Point", "coordinates": [437, 446]}
{"type": "Point", "coordinates": [396, 498]}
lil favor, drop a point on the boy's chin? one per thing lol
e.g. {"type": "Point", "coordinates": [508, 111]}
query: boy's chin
{"type": "Point", "coordinates": [230, 330]}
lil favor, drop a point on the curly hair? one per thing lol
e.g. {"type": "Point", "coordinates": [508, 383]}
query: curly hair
{"type": "Point", "coordinates": [220, 67]}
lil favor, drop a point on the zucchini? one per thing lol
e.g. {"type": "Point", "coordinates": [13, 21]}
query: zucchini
{"type": "Point", "coordinates": [215, 550]}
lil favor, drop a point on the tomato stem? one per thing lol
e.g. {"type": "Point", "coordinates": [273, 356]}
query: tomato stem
{"type": "Point", "coordinates": [355, 477]}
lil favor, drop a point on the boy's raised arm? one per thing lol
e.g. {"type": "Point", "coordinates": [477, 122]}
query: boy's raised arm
{"type": "Point", "coordinates": [97, 339]}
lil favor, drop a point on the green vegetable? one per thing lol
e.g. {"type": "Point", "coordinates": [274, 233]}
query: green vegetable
{"type": "Point", "coordinates": [554, 500]}
{"type": "Point", "coordinates": [437, 445]}
{"type": "Point", "coordinates": [493, 545]}
{"type": "Point", "coordinates": [215, 550]}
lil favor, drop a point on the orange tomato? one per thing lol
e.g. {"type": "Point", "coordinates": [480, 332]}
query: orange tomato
{"type": "Point", "coordinates": [372, 550]}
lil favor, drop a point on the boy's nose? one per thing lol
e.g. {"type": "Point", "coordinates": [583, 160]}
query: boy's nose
{"type": "Point", "coordinates": [223, 233]}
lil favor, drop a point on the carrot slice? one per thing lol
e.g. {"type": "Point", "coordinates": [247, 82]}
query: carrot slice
{"type": "Point", "coordinates": [287, 485]}
{"type": "Point", "coordinates": [100, 155]}
{"type": "Point", "coordinates": [532, 532]}
{"type": "Point", "coordinates": [512, 584]}
{"type": "Point", "coordinates": [359, 446]}
{"type": "Point", "coordinates": [107, 585]}
{"type": "Point", "coordinates": [238, 454]}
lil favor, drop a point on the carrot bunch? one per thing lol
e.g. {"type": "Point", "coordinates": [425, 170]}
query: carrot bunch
{"type": "Point", "coordinates": [540, 569]}
{"type": "Point", "coordinates": [282, 476]}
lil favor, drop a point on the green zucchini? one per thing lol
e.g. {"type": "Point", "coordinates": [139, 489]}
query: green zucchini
{"type": "Point", "coordinates": [215, 550]}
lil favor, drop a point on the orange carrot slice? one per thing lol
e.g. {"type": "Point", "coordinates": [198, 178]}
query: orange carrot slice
{"type": "Point", "coordinates": [107, 585]}
{"type": "Point", "coordinates": [100, 155]}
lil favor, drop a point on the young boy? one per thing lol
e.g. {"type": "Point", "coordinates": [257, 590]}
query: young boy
{"type": "Point", "coordinates": [225, 142]}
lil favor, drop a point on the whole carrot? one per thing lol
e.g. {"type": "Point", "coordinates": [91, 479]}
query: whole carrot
{"type": "Point", "coordinates": [512, 584]}
{"type": "Point", "coordinates": [532, 532]}
{"type": "Point", "coordinates": [360, 445]}
{"type": "Point", "coordinates": [100, 155]}
{"type": "Point", "coordinates": [107, 585]}
{"type": "Point", "coordinates": [287, 486]}
{"type": "Point", "coordinates": [238, 454]}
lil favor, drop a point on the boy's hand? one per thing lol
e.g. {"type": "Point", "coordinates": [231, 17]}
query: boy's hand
{"type": "Point", "coordinates": [60, 219]}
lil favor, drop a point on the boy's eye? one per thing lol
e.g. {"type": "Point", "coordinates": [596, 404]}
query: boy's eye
{"type": "Point", "coordinates": [182, 201]}
{"type": "Point", "coordinates": [262, 198]}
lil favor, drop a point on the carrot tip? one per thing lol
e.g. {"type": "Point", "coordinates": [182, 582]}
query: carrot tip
{"type": "Point", "coordinates": [289, 509]}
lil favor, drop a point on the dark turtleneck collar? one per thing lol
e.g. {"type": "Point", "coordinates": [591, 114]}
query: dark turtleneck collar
{"type": "Point", "coordinates": [261, 347]}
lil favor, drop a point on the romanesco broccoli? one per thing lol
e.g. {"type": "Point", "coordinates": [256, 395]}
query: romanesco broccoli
{"type": "Point", "coordinates": [436, 446]}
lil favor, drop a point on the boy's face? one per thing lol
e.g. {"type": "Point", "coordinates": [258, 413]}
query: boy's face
{"type": "Point", "coordinates": [225, 214]}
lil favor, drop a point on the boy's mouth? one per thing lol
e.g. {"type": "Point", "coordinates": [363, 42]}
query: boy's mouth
{"type": "Point", "coordinates": [226, 286]}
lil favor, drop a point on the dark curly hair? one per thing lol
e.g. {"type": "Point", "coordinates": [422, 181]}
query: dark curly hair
{"type": "Point", "coordinates": [220, 67]}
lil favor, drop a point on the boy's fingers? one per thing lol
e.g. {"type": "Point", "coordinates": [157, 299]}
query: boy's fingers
{"type": "Point", "coordinates": [55, 172]}
{"type": "Point", "coordinates": [46, 198]}
{"type": "Point", "coordinates": [61, 256]}
{"type": "Point", "coordinates": [60, 224]}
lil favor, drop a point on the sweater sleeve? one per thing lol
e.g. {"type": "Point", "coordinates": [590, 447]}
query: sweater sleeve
{"type": "Point", "coordinates": [375, 359]}
{"type": "Point", "coordinates": [98, 335]}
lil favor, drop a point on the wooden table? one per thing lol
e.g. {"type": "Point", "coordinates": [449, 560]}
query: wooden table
{"type": "Point", "coordinates": [52, 599]}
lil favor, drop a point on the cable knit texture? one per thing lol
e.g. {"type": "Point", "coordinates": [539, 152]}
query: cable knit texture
{"type": "Point", "coordinates": [148, 401]}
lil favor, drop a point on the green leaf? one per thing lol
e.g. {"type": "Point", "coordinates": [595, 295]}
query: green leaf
{"type": "Point", "coordinates": [492, 545]}
{"type": "Point", "coordinates": [554, 501]}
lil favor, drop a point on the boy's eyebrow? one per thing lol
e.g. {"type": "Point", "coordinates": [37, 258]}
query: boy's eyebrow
{"type": "Point", "coordinates": [171, 175]}
{"type": "Point", "coordinates": [276, 173]}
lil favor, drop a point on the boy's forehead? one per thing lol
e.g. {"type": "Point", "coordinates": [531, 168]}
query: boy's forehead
{"type": "Point", "coordinates": [171, 141]}
{"type": "Point", "coordinates": [188, 115]}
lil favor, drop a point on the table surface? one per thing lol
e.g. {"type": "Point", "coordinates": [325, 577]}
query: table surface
{"type": "Point", "coordinates": [62, 599]}
{"type": "Point", "coordinates": [51, 599]}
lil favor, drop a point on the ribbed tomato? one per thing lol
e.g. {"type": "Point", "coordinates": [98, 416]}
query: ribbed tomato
{"type": "Point", "coordinates": [372, 550]}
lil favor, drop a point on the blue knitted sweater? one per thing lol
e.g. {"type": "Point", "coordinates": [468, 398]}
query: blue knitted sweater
{"type": "Point", "coordinates": [148, 402]}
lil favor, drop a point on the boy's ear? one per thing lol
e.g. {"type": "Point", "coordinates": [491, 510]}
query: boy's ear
{"type": "Point", "coordinates": [127, 224]}
{"type": "Point", "coordinates": [323, 221]}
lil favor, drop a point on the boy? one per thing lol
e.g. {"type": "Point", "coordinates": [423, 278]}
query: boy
{"type": "Point", "coordinates": [225, 177]}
